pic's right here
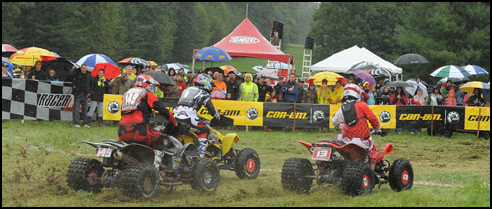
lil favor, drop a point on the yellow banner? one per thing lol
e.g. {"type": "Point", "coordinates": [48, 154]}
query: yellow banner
{"type": "Point", "coordinates": [477, 116]}
{"type": "Point", "coordinates": [112, 107]}
{"type": "Point", "coordinates": [245, 114]}
{"type": "Point", "coordinates": [386, 114]}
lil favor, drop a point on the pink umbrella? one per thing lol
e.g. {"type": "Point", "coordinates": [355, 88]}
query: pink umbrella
{"type": "Point", "coordinates": [8, 48]}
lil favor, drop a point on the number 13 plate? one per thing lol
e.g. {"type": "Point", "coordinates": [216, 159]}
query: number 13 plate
{"type": "Point", "coordinates": [322, 153]}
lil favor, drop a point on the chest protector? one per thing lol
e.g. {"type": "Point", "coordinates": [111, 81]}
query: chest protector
{"type": "Point", "coordinates": [132, 99]}
{"type": "Point", "coordinates": [349, 113]}
{"type": "Point", "coordinates": [188, 96]}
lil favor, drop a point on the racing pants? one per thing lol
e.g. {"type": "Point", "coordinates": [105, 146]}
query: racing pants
{"type": "Point", "coordinates": [142, 134]}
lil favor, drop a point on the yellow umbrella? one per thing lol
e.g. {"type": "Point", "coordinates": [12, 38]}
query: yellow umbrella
{"type": "Point", "coordinates": [29, 56]}
{"type": "Point", "coordinates": [331, 77]}
{"type": "Point", "coordinates": [152, 63]}
{"type": "Point", "coordinates": [470, 86]}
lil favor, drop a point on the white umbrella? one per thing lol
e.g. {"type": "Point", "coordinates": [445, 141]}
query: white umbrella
{"type": "Point", "coordinates": [413, 88]}
{"type": "Point", "coordinates": [450, 71]}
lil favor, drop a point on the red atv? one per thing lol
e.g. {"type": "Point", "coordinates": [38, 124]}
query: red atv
{"type": "Point", "coordinates": [347, 166]}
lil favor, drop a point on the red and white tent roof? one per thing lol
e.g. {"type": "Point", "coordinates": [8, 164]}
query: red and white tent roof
{"type": "Point", "coordinates": [246, 41]}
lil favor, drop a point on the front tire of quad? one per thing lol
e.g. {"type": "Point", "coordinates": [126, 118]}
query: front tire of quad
{"type": "Point", "coordinates": [401, 175]}
{"type": "Point", "coordinates": [294, 172]}
{"type": "Point", "coordinates": [358, 179]}
{"type": "Point", "coordinates": [206, 176]}
{"type": "Point", "coordinates": [139, 181]}
{"type": "Point", "coordinates": [247, 164]}
{"type": "Point", "coordinates": [83, 174]}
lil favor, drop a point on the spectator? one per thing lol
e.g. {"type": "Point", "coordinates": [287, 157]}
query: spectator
{"type": "Point", "coordinates": [37, 73]}
{"type": "Point", "coordinates": [271, 98]}
{"type": "Point", "coordinates": [188, 77]}
{"type": "Point", "coordinates": [385, 97]}
{"type": "Point", "coordinates": [443, 90]}
{"type": "Point", "coordinates": [290, 89]}
{"type": "Point", "coordinates": [280, 98]}
{"type": "Point", "coordinates": [5, 72]}
{"type": "Point", "coordinates": [248, 91]}
{"type": "Point", "coordinates": [301, 97]}
{"type": "Point", "coordinates": [337, 94]}
{"type": "Point", "coordinates": [311, 95]}
{"type": "Point", "coordinates": [99, 87]}
{"type": "Point", "coordinates": [379, 85]}
{"type": "Point", "coordinates": [399, 97]}
{"type": "Point", "coordinates": [51, 75]}
{"type": "Point", "coordinates": [171, 73]}
{"type": "Point", "coordinates": [121, 84]}
{"type": "Point", "coordinates": [459, 96]}
{"type": "Point", "coordinates": [279, 85]}
{"type": "Point", "coordinates": [180, 83]}
{"type": "Point", "coordinates": [324, 93]}
{"type": "Point", "coordinates": [370, 91]}
{"type": "Point", "coordinates": [233, 85]}
{"type": "Point", "coordinates": [131, 72]}
{"type": "Point", "coordinates": [229, 96]}
{"type": "Point", "coordinates": [175, 91]}
{"type": "Point", "coordinates": [220, 87]}
{"type": "Point", "coordinates": [81, 92]}
{"type": "Point", "coordinates": [27, 71]}
{"type": "Point", "coordinates": [418, 99]}
{"type": "Point", "coordinates": [450, 100]}
{"type": "Point", "coordinates": [476, 99]}
{"type": "Point", "coordinates": [264, 87]}
{"type": "Point", "coordinates": [465, 98]}
{"type": "Point", "coordinates": [435, 98]}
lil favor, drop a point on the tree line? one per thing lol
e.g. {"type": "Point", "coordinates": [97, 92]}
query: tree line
{"type": "Point", "coordinates": [160, 31]}
{"type": "Point", "coordinates": [445, 33]}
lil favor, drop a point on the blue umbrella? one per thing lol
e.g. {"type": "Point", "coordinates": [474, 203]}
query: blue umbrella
{"type": "Point", "coordinates": [91, 60]}
{"type": "Point", "coordinates": [475, 70]}
{"type": "Point", "coordinates": [212, 54]}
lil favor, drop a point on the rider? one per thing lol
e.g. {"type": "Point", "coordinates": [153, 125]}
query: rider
{"type": "Point", "coordinates": [352, 119]}
{"type": "Point", "coordinates": [191, 101]}
{"type": "Point", "coordinates": [136, 110]}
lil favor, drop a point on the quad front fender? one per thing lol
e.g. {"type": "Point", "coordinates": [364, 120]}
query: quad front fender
{"type": "Point", "coordinates": [227, 142]}
{"type": "Point", "coordinates": [386, 149]}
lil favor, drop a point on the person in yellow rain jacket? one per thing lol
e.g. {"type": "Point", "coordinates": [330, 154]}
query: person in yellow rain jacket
{"type": "Point", "coordinates": [324, 93]}
{"type": "Point", "coordinates": [248, 91]}
{"type": "Point", "coordinates": [337, 94]}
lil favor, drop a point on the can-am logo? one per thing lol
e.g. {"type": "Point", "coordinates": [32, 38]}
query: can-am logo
{"type": "Point", "coordinates": [54, 100]}
{"type": "Point", "coordinates": [243, 40]}
{"type": "Point", "coordinates": [113, 107]}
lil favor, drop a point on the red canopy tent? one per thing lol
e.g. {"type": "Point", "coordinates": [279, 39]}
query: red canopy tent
{"type": "Point", "coordinates": [246, 41]}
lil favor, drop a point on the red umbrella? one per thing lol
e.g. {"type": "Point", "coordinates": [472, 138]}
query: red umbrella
{"type": "Point", "coordinates": [110, 70]}
{"type": "Point", "coordinates": [8, 48]}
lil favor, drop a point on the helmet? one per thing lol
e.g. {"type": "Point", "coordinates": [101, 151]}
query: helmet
{"type": "Point", "coordinates": [204, 82]}
{"type": "Point", "coordinates": [351, 91]}
{"type": "Point", "coordinates": [147, 82]}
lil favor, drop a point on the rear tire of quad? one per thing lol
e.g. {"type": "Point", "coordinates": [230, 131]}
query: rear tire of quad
{"type": "Point", "coordinates": [294, 172]}
{"type": "Point", "coordinates": [247, 164]}
{"type": "Point", "coordinates": [139, 181]}
{"type": "Point", "coordinates": [358, 179]}
{"type": "Point", "coordinates": [401, 175]}
{"type": "Point", "coordinates": [206, 176]}
{"type": "Point", "coordinates": [83, 173]}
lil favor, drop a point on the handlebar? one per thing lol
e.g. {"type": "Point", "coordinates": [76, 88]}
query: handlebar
{"type": "Point", "coordinates": [381, 132]}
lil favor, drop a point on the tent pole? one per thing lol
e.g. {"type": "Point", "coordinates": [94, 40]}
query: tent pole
{"type": "Point", "coordinates": [193, 66]}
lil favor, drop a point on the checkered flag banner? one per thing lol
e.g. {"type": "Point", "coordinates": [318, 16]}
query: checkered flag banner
{"type": "Point", "coordinates": [33, 100]}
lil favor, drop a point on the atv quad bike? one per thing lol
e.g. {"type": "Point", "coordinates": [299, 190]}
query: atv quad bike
{"type": "Point", "coordinates": [346, 166]}
{"type": "Point", "coordinates": [138, 171]}
{"type": "Point", "coordinates": [245, 162]}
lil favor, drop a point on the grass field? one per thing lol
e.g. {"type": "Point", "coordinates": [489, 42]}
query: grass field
{"type": "Point", "coordinates": [36, 156]}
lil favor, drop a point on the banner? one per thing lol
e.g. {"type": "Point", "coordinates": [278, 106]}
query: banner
{"type": "Point", "coordinates": [305, 115]}
{"type": "Point", "coordinates": [477, 118]}
{"type": "Point", "coordinates": [112, 106]}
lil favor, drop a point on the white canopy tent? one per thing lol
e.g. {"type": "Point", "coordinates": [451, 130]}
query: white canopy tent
{"type": "Point", "coordinates": [341, 62]}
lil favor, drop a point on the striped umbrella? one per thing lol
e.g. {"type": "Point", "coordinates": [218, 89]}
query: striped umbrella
{"type": "Point", "coordinates": [152, 63]}
{"type": "Point", "coordinates": [29, 56]}
{"type": "Point", "coordinates": [134, 60]}
{"type": "Point", "coordinates": [91, 60]}
{"type": "Point", "coordinates": [450, 71]}
{"type": "Point", "coordinates": [475, 70]}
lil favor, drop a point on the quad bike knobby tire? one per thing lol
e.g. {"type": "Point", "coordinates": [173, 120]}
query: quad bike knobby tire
{"type": "Point", "coordinates": [294, 172]}
{"type": "Point", "coordinates": [247, 164]}
{"type": "Point", "coordinates": [401, 175]}
{"type": "Point", "coordinates": [358, 179]}
{"type": "Point", "coordinates": [83, 173]}
{"type": "Point", "coordinates": [139, 181]}
{"type": "Point", "coordinates": [206, 176]}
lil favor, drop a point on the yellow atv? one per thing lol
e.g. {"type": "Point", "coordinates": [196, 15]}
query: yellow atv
{"type": "Point", "coordinates": [245, 162]}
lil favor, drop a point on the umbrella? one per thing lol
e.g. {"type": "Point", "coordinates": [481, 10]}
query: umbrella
{"type": "Point", "coordinates": [412, 89]}
{"type": "Point", "coordinates": [399, 84]}
{"type": "Point", "coordinates": [110, 71]}
{"type": "Point", "coordinates": [474, 70]}
{"type": "Point", "coordinates": [152, 63]}
{"type": "Point", "coordinates": [227, 68]}
{"type": "Point", "coordinates": [160, 77]}
{"type": "Point", "coordinates": [450, 71]}
{"type": "Point", "coordinates": [175, 66]}
{"type": "Point", "coordinates": [470, 86]}
{"type": "Point", "coordinates": [411, 59]}
{"type": "Point", "coordinates": [258, 67]}
{"type": "Point", "coordinates": [212, 54]}
{"type": "Point", "coordinates": [331, 77]}
{"type": "Point", "coordinates": [62, 67]}
{"type": "Point", "coordinates": [364, 76]}
{"type": "Point", "coordinates": [91, 60]}
{"type": "Point", "coordinates": [134, 60]}
{"type": "Point", "coordinates": [28, 56]}
{"type": "Point", "coordinates": [8, 48]}
{"type": "Point", "coordinates": [218, 94]}
{"type": "Point", "coordinates": [371, 68]}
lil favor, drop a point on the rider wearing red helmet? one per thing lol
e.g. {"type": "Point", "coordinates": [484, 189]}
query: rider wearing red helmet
{"type": "Point", "coordinates": [136, 110]}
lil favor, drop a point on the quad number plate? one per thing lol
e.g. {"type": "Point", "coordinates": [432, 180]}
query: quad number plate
{"type": "Point", "coordinates": [104, 152]}
{"type": "Point", "coordinates": [322, 153]}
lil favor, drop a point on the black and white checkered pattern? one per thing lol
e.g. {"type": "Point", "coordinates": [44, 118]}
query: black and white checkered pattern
{"type": "Point", "coordinates": [20, 98]}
